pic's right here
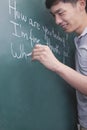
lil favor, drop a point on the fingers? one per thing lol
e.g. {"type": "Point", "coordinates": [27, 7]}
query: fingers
{"type": "Point", "coordinates": [39, 52]}
{"type": "Point", "coordinates": [44, 55]}
{"type": "Point", "coordinates": [38, 48]}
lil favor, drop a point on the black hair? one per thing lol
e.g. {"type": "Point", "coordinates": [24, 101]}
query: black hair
{"type": "Point", "coordinates": [50, 3]}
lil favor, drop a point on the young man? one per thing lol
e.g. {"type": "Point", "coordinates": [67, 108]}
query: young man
{"type": "Point", "coordinates": [71, 15]}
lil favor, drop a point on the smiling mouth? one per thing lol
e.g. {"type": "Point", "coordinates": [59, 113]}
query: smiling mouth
{"type": "Point", "coordinates": [64, 26]}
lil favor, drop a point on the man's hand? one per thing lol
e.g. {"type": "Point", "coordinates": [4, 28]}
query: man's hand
{"type": "Point", "coordinates": [44, 55]}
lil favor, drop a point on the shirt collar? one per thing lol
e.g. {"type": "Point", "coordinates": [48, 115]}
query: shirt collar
{"type": "Point", "coordinates": [83, 33]}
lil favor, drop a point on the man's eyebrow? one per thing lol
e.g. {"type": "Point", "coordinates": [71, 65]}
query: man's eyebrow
{"type": "Point", "coordinates": [57, 11]}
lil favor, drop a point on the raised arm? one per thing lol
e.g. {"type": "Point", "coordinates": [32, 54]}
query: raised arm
{"type": "Point", "coordinates": [45, 56]}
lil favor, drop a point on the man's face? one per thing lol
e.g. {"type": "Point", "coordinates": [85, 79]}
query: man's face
{"type": "Point", "coordinates": [68, 16]}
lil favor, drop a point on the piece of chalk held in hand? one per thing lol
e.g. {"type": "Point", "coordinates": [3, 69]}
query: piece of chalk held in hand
{"type": "Point", "coordinates": [29, 54]}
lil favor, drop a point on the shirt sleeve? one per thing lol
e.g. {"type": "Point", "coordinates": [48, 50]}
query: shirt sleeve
{"type": "Point", "coordinates": [83, 60]}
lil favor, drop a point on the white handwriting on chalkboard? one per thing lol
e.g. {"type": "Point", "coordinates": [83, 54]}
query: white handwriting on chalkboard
{"type": "Point", "coordinates": [52, 33]}
{"type": "Point", "coordinates": [16, 14]}
{"type": "Point", "coordinates": [21, 50]}
{"type": "Point", "coordinates": [18, 22]}
{"type": "Point", "coordinates": [16, 26]}
{"type": "Point", "coordinates": [31, 37]}
{"type": "Point", "coordinates": [34, 24]}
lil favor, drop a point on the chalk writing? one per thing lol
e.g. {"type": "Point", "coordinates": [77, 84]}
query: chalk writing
{"type": "Point", "coordinates": [21, 54]}
{"type": "Point", "coordinates": [22, 34]}
{"type": "Point", "coordinates": [34, 24]}
{"type": "Point", "coordinates": [16, 26]}
{"type": "Point", "coordinates": [18, 21]}
{"type": "Point", "coordinates": [52, 33]}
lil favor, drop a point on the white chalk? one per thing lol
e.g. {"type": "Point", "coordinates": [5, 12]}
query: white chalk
{"type": "Point", "coordinates": [29, 54]}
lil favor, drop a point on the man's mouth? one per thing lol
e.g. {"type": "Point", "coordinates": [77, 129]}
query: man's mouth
{"type": "Point", "coordinates": [64, 25]}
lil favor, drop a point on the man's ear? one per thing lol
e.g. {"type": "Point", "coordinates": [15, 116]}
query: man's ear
{"type": "Point", "coordinates": [82, 4]}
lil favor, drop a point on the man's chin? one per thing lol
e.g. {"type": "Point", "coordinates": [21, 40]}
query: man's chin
{"type": "Point", "coordinates": [67, 30]}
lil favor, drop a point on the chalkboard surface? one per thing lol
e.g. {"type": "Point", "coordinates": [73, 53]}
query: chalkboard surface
{"type": "Point", "coordinates": [32, 97]}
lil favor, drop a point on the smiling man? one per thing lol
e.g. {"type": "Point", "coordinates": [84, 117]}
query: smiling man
{"type": "Point", "coordinates": [71, 15]}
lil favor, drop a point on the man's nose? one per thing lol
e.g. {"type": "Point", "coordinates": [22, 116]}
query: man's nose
{"type": "Point", "coordinates": [58, 20]}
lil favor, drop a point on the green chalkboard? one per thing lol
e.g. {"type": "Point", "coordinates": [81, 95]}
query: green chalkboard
{"type": "Point", "coordinates": [31, 96]}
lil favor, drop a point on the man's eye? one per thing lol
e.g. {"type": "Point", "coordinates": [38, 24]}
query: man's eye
{"type": "Point", "coordinates": [61, 13]}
